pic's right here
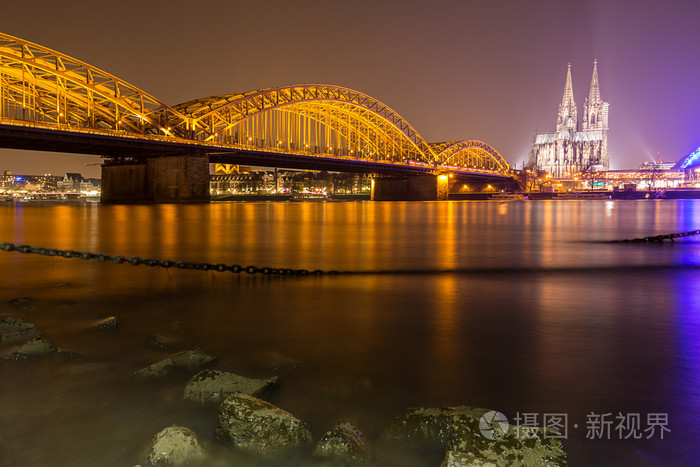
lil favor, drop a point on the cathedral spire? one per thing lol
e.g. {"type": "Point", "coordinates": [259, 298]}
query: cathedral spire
{"type": "Point", "coordinates": [568, 99]}
{"type": "Point", "coordinates": [594, 93]}
{"type": "Point", "coordinates": [567, 110]}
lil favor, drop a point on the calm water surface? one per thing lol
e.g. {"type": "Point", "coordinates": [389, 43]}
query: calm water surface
{"type": "Point", "coordinates": [538, 315]}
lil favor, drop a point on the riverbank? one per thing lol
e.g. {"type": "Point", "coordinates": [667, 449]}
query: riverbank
{"type": "Point", "coordinates": [293, 197]}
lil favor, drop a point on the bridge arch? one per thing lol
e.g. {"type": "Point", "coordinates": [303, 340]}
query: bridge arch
{"type": "Point", "coordinates": [318, 118]}
{"type": "Point", "coordinates": [41, 85]}
{"type": "Point", "coordinates": [52, 90]}
{"type": "Point", "coordinates": [470, 153]}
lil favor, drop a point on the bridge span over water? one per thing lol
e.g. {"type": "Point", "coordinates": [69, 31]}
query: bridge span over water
{"type": "Point", "coordinates": [160, 153]}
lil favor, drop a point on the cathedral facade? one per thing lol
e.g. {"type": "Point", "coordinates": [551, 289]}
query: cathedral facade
{"type": "Point", "coordinates": [568, 149]}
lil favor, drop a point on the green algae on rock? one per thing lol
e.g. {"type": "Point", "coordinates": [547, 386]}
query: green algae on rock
{"type": "Point", "coordinates": [175, 446]}
{"type": "Point", "coordinates": [343, 443]}
{"type": "Point", "coordinates": [258, 427]}
{"type": "Point", "coordinates": [423, 426]}
{"type": "Point", "coordinates": [214, 386]}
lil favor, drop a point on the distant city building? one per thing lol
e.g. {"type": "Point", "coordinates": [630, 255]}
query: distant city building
{"type": "Point", "coordinates": [71, 182]}
{"type": "Point", "coordinates": [568, 150]}
{"type": "Point", "coordinates": [10, 182]}
{"type": "Point", "coordinates": [289, 181]}
{"type": "Point", "coordinates": [76, 183]}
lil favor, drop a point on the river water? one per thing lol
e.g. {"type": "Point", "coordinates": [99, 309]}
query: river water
{"type": "Point", "coordinates": [521, 307]}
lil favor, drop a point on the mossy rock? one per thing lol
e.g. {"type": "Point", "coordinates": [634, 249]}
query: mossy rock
{"type": "Point", "coordinates": [39, 348]}
{"type": "Point", "coordinates": [515, 446]}
{"type": "Point", "coordinates": [258, 427]}
{"type": "Point", "coordinates": [16, 331]}
{"type": "Point", "coordinates": [185, 361]}
{"type": "Point", "coordinates": [214, 386]}
{"type": "Point", "coordinates": [464, 459]}
{"type": "Point", "coordinates": [457, 429]}
{"type": "Point", "coordinates": [427, 427]}
{"type": "Point", "coordinates": [12, 324]}
{"type": "Point", "coordinates": [343, 443]}
{"type": "Point", "coordinates": [36, 347]}
{"type": "Point", "coordinates": [175, 446]}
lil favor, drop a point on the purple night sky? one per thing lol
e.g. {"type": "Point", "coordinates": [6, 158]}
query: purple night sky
{"type": "Point", "coordinates": [491, 70]}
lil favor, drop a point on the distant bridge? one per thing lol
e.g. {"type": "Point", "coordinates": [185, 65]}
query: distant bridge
{"type": "Point", "coordinates": [50, 101]}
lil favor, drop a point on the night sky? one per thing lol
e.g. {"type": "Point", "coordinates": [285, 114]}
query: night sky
{"type": "Point", "coordinates": [491, 70]}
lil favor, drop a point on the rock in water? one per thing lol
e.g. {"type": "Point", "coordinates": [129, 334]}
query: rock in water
{"type": "Point", "coordinates": [191, 359]}
{"type": "Point", "coordinates": [16, 331]}
{"type": "Point", "coordinates": [111, 322]}
{"type": "Point", "coordinates": [464, 459]}
{"type": "Point", "coordinates": [345, 444]}
{"type": "Point", "coordinates": [36, 347]}
{"type": "Point", "coordinates": [457, 429]}
{"type": "Point", "coordinates": [163, 343]}
{"type": "Point", "coordinates": [39, 347]}
{"type": "Point", "coordinates": [516, 446]}
{"type": "Point", "coordinates": [428, 427]}
{"type": "Point", "coordinates": [20, 301]}
{"type": "Point", "coordinates": [253, 425]}
{"type": "Point", "coordinates": [214, 386]}
{"type": "Point", "coordinates": [12, 324]}
{"type": "Point", "coordinates": [186, 361]}
{"type": "Point", "coordinates": [175, 446]}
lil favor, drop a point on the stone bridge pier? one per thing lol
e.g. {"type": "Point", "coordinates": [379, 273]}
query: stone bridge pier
{"type": "Point", "coordinates": [163, 179]}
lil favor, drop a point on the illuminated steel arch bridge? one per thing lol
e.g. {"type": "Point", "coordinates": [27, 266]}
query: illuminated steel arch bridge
{"type": "Point", "coordinates": [50, 101]}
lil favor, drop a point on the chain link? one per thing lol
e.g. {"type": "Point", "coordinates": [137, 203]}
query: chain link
{"type": "Point", "coordinates": [659, 238]}
{"type": "Point", "coordinates": [165, 263]}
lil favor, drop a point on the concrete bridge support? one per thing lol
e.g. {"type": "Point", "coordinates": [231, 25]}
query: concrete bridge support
{"type": "Point", "coordinates": [164, 179]}
{"type": "Point", "coordinates": [410, 188]}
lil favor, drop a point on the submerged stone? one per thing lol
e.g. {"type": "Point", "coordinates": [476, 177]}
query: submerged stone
{"type": "Point", "coordinates": [175, 446]}
{"type": "Point", "coordinates": [111, 322]}
{"type": "Point", "coordinates": [185, 361]}
{"type": "Point", "coordinates": [276, 360]}
{"type": "Point", "coordinates": [20, 301]}
{"type": "Point", "coordinates": [16, 331]}
{"type": "Point", "coordinates": [163, 343]}
{"type": "Point", "coordinates": [253, 425]}
{"type": "Point", "coordinates": [343, 443]}
{"type": "Point", "coordinates": [214, 386]}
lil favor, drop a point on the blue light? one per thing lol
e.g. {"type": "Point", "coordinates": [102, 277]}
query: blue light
{"type": "Point", "coordinates": [691, 158]}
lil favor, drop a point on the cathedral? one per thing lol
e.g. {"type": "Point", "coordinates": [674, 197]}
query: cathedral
{"type": "Point", "coordinates": [569, 150]}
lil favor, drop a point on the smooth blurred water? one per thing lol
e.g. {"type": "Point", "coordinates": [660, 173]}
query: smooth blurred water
{"type": "Point", "coordinates": [537, 313]}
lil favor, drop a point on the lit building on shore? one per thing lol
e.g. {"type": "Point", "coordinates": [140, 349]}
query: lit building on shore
{"type": "Point", "coordinates": [568, 150]}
